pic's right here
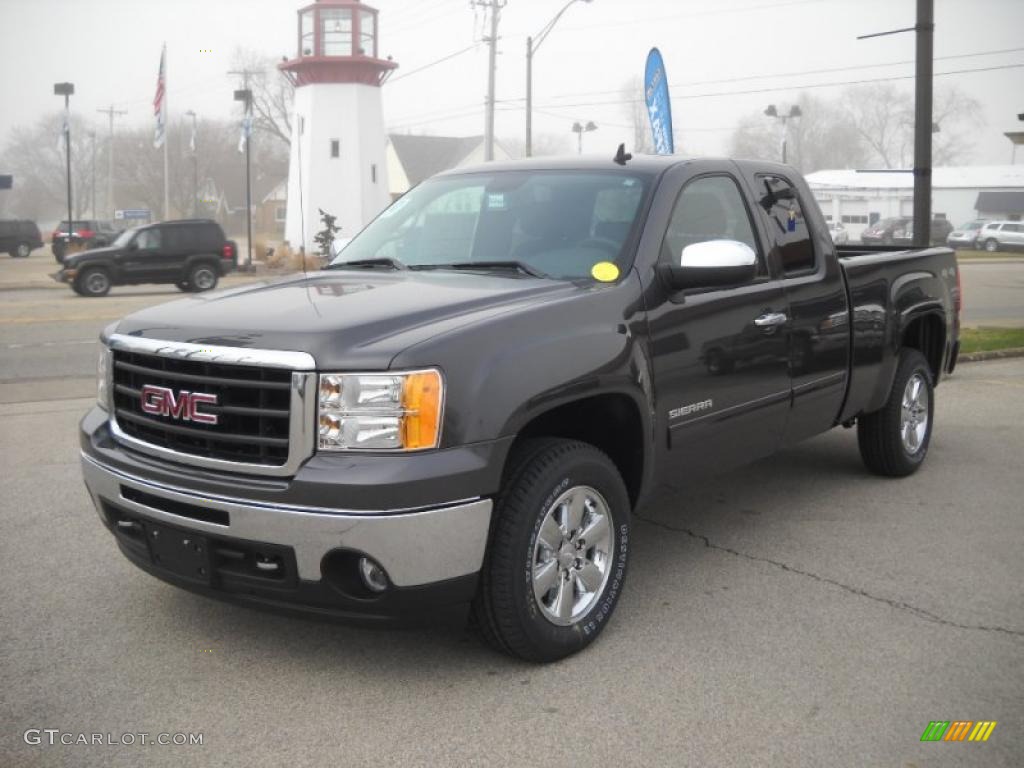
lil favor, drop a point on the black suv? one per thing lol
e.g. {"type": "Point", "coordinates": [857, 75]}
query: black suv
{"type": "Point", "coordinates": [192, 254]}
{"type": "Point", "coordinates": [19, 237]}
{"type": "Point", "coordinates": [93, 233]}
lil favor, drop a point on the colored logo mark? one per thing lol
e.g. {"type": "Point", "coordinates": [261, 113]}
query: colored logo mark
{"type": "Point", "coordinates": [958, 730]}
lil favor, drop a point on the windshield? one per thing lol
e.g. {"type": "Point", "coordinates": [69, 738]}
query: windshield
{"type": "Point", "coordinates": [560, 223]}
{"type": "Point", "coordinates": [125, 237]}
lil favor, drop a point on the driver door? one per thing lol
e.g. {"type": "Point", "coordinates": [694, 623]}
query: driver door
{"type": "Point", "coordinates": [142, 256]}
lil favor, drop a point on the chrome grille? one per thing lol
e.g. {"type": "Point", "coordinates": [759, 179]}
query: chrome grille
{"type": "Point", "coordinates": [252, 407]}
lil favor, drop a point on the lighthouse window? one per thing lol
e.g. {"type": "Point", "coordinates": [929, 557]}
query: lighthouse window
{"type": "Point", "coordinates": [336, 36]}
{"type": "Point", "coordinates": [367, 31]}
{"type": "Point", "coordinates": [306, 43]}
{"type": "Point", "coordinates": [335, 147]}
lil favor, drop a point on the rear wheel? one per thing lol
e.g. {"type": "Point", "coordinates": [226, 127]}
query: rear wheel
{"type": "Point", "coordinates": [991, 245]}
{"type": "Point", "coordinates": [556, 563]}
{"type": "Point", "coordinates": [202, 277]}
{"type": "Point", "coordinates": [894, 440]}
{"type": "Point", "coordinates": [94, 282]}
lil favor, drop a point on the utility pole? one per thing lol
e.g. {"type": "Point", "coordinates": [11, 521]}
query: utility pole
{"type": "Point", "coordinates": [494, 6]}
{"type": "Point", "coordinates": [92, 197]}
{"type": "Point", "coordinates": [66, 90]}
{"type": "Point", "coordinates": [245, 95]}
{"type": "Point", "coordinates": [111, 113]}
{"type": "Point", "coordinates": [925, 29]}
{"type": "Point", "coordinates": [195, 165]}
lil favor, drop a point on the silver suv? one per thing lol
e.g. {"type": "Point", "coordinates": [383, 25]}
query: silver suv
{"type": "Point", "coordinates": [1002, 235]}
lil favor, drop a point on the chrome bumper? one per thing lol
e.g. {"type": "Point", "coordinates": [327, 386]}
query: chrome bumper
{"type": "Point", "coordinates": [415, 547]}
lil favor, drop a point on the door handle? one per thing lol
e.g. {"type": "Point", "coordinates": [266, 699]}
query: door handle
{"type": "Point", "coordinates": [771, 319]}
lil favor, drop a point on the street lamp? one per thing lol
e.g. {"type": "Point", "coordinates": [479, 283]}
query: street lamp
{"type": "Point", "coordinates": [245, 96]}
{"type": "Point", "coordinates": [195, 166]}
{"type": "Point", "coordinates": [579, 130]}
{"type": "Point", "coordinates": [65, 90]}
{"type": "Point", "coordinates": [794, 112]}
{"type": "Point", "coordinates": [532, 44]}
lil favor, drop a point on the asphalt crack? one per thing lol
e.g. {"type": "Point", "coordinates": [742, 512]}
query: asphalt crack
{"type": "Point", "coordinates": [897, 604]}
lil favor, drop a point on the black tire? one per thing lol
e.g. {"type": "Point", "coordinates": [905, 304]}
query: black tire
{"type": "Point", "coordinates": [202, 277]}
{"type": "Point", "coordinates": [183, 285]}
{"type": "Point", "coordinates": [880, 434]}
{"type": "Point", "coordinates": [991, 245]}
{"type": "Point", "coordinates": [93, 282]}
{"type": "Point", "coordinates": [21, 251]}
{"type": "Point", "coordinates": [509, 616]}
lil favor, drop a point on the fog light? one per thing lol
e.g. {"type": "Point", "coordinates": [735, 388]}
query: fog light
{"type": "Point", "coordinates": [374, 577]}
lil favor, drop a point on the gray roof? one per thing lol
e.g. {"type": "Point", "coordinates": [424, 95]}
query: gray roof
{"type": "Point", "coordinates": [423, 156]}
{"type": "Point", "coordinates": [1010, 201]}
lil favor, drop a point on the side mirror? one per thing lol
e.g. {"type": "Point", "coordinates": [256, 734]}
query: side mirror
{"type": "Point", "coordinates": [711, 264]}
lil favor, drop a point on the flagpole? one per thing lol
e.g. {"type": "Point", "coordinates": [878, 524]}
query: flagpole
{"type": "Point", "coordinates": [167, 188]}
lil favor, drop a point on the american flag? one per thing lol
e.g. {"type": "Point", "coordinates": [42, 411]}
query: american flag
{"type": "Point", "coordinates": [159, 104]}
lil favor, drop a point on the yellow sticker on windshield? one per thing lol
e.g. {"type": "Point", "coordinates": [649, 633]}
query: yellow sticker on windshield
{"type": "Point", "coordinates": [605, 271]}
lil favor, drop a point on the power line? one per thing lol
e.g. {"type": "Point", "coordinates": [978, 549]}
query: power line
{"type": "Point", "coordinates": [434, 63]}
{"type": "Point", "coordinates": [802, 87]}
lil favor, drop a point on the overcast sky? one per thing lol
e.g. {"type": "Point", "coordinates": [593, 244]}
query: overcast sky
{"type": "Point", "coordinates": [714, 51]}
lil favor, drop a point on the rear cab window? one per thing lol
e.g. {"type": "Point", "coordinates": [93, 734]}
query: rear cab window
{"type": "Point", "coordinates": [787, 224]}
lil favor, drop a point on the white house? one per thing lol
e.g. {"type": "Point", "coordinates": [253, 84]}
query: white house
{"type": "Point", "coordinates": [859, 198]}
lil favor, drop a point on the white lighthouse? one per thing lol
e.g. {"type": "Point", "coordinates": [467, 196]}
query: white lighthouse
{"type": "Point", "coordinates": [338, 160]}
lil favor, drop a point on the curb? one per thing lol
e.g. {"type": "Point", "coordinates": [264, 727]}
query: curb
{"type": "Point", "coordinates": [992, 354]}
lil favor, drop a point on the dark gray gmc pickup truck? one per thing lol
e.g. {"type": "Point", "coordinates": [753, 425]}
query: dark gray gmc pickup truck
{"type": "Point", "coordinates": [462, 410]}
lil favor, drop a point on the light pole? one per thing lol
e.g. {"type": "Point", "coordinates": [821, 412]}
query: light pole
{"type": "Point", "coordinates": [245, 95]}
{"type": "Point", "coordinates": [195, 166]}
{"type": "Point", "coordinates": [579, 129]}
{"type": "Point", "coordinates": [532, 44]}
{"type": "Point", "coordinates": [65, 90]}
{"type": "Point", "coordinates": [794, 112]}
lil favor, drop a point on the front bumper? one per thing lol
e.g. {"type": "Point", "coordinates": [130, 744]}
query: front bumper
{"type": "Point", "coordinates": [432, 556]}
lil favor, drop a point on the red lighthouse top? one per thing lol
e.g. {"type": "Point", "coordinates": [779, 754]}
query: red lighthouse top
{"type": "Point", "coordinates": [337, 43]}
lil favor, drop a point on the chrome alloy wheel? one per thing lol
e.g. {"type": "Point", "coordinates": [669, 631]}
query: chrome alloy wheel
{"type": "Point", "coordinates": [97, 282]}
{"type": "Point", "coordinates": [203, 279]}
{"type": "Point", "coordinates": [914, 414]}
{"type": "Point", "coordinates": [572, 557]}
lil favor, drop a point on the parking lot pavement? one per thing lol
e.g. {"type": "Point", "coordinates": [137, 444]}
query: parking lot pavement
{"type": "Point", "coordinates": [798, 612]}
{"type": "Point", "coordinates": [993, 293]}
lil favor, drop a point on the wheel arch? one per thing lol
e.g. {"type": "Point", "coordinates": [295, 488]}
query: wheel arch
{"type": "Point", "coordinates": [611, 422]}
{"type": "Point", "coordinates": [926, 332]}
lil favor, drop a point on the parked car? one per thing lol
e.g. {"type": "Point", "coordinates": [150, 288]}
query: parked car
{"type": "Point", "coordinates": [966, 235]}
{"type": "Point", "coordinates": [939, 231]}
{"type": "Point", "coordinates": [92, 233]}
{"type": "Point", "coordinates": [838, 233]}
{"type": "Point", "coordinates": [467, 405]}
{"type": "Point", "coordinates": [19, 237]}
{"type": "Point", "coordinates": [1002, 236]}
{"type": "Point", "coordinates": [882, 231]}
{"type": "Point", "coordinates": [192, 254]}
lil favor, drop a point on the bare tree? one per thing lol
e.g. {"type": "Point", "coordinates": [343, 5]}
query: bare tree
{"type": "Point", "coordinates": [35, 157]}
{"type": "Point", "coordinates": [635, 111]}
{"type": "Point", "coordinates": [820, 138]}
{"type": "Point", "coordinates": [272, 93]}
{"type": "Point", "coordinates": [883, 115]}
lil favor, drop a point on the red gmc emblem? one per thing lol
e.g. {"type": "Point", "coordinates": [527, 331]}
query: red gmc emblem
{"type": "Point", "coordinates": [161, 401]}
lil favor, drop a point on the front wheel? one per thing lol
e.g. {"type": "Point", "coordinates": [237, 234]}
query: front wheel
{"type": "Point", "coordinates": [93, 282]}
{"type": "Point", "coordinates": [22, 251]}
{"type": "Point", "coordinates": [556, 564]}
{"type": "Point", "coordinates": [894, 440]}
{"type": "Point", "coordinates": [991, 245]}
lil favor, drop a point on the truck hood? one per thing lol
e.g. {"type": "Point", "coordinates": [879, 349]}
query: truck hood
{"type": "Point", "coordinates": [345, 319]}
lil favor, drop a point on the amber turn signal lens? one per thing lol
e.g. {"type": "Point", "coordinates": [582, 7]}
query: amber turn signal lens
{"type": "Point", "coordinates": [421, 400]}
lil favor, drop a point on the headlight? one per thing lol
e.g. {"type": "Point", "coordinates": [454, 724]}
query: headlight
{"type": "Point", "coordinates": [103, 372]}
{"type": "Point", "coordinates": [380, 411]}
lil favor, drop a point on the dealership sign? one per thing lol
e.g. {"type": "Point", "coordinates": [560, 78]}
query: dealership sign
{"type": "Point", "coordinates": [658, 106]}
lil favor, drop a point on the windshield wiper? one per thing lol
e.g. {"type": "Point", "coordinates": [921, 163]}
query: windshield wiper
{"type": "Point", "coordinates": [381, 261]}
{"type": "Point", "coordinates": [520, 266]}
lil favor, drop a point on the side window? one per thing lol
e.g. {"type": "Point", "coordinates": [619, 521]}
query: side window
{"type": "Point", "coordinates": [148, 239]}
{"type": "Point", "coordinates": [710, 208]}
{"type": "Point", "coordinates": [174, 239]}
{"type": "Point", "coordinates": [787, 223]}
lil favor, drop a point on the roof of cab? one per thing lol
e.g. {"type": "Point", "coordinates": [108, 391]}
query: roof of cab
{"type": "Point", "coordinates": [647, 164]}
